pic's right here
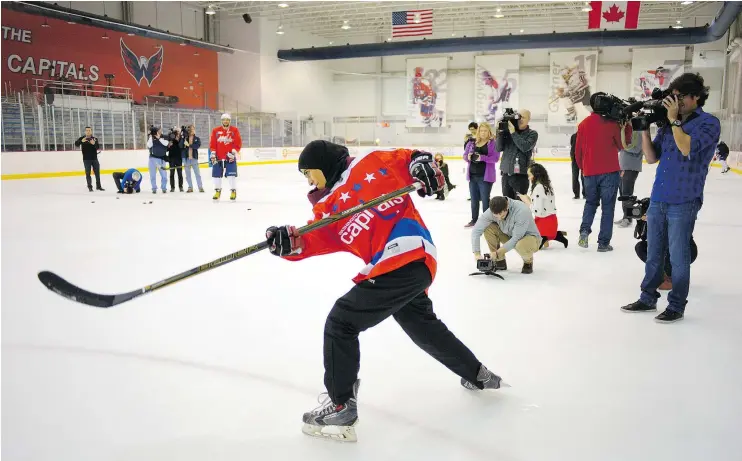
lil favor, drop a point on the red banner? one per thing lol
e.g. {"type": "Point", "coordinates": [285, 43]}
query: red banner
{"type": "Point", "coordinates": [154, 70]}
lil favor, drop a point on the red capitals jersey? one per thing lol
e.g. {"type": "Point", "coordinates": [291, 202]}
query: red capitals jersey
{"type": "Point", "coordinates": [223, 140]}
{"type": "Point", "coordinates": [386, 237]}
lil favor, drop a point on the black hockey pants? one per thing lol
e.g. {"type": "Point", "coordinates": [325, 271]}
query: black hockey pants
{"type": "Point", "coordinates": [400, 294]}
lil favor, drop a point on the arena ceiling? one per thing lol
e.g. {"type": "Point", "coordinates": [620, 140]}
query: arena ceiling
{"type": "Point", "coordinates": [472, 18]}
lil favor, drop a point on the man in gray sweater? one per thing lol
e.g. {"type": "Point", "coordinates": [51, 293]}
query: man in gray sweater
{"type": "Point", "coordinates": [630, 161]}
{"type": "Point", "coordinates": [508, 224]}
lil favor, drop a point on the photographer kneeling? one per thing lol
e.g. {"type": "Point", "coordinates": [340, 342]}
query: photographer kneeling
{"type": "Point", "coordinates": [516, 140]}
{"type": "Point", "coordinates": [684, 146]}
{"type": "Point", "coordinates": [508, 223]}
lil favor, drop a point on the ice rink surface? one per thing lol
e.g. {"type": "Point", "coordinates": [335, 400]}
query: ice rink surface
{"type": "Point", "coordinates": [222, 366]}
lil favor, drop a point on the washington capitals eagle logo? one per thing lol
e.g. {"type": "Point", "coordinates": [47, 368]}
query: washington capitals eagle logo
{"type": "Point", "coordinates": [142, 67]}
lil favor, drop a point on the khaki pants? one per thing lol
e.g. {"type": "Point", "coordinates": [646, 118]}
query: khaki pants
{"type": "Point", "coordinates": [525, 247]}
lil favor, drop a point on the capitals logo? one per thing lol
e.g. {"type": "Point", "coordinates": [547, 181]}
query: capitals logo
{"type": "Point", "coordinates": [360, 222]}
{"type": "Point", "coordinates": [142, 67]}
{"type": "Point", "coordinates": [224, 138]}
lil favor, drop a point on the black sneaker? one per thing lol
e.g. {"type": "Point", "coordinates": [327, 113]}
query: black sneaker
{"type": "Point", "coordinates": [90, 188]}
{"type": "Point", "coordinates": [501, 265]}
{"type": "Point", "coordinates": [604, 248]}
{"type": "Point", "coordinates": [638, 307]}
{"type": "Point", "coordinates": [527, 268]}
{"type": "Point", "coordinates": [669, 316]}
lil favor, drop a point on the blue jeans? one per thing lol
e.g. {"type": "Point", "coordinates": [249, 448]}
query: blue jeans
{"type": "Point", "coordinates": [480, 193]}
{"type": "Point", "coordinates": [187, 165]}
{"type": "Point", "coordinates": [154, 165]}
{"type": "Point", "coordinates": [600, 190]}
{"type": "Point", "coordinates": [669, 225]}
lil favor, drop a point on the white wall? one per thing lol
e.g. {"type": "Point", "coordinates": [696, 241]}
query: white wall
{"type": "Point", "coordinates": [302, 88]}
{"type": "Point", "coordinates": [239, 73]}
{"type": "Point", "coordinates": [359, 95]}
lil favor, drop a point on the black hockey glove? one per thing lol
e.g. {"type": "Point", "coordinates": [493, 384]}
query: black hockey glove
{"type": "Point", "coordinates": [284, 240]}
{"type": "Point", "coordinates": [425, 170]}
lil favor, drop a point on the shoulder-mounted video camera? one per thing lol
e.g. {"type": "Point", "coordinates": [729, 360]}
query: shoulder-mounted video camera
{"type": "Point", "coordinates": [509, 115]}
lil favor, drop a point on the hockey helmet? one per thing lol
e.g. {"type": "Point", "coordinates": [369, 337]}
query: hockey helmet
{"type": "Point", "coordinates": [227, 116]}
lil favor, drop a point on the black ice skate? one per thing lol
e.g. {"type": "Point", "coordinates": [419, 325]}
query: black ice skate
{"type": "Point", "coordinates": [488, 379]}
{"type": "Point", "coordinates": [332, 421]}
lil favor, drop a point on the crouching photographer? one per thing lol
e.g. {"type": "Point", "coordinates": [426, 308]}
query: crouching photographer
{"type": "Point", "coordinates": [637, 210]}
{"type": "Point", "coordinates": [684, 146]}
{"type": "Point", "coordinates": [516, 140]}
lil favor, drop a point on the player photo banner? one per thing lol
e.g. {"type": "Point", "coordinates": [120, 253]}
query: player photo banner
{"type": "Point", "coordinates": [655, 68]}
{"type": "Point", "coordinates": [496, 81]}
{"type": "Point", "coordinates": [427, 82]}
{"type": "Point", "coordinates": [573, 75]}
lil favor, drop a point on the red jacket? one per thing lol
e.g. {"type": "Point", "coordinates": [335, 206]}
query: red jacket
{"type": "Point", "coordinates": [597, 145]}
{"type": "Point", "coordinates": [224, 140]}
{"type": "Point", "coordinates": [386, 237]}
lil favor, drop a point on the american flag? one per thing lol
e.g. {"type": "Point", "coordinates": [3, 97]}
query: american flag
{"type": "Point", "coordinates": [412, 23]}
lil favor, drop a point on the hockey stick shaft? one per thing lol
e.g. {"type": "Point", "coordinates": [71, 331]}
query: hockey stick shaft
{"type": "Point", "coordinates": [66, 289]}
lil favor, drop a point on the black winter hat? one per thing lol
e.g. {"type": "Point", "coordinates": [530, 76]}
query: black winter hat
{"type": "Point", "coordinates": [331, 159]}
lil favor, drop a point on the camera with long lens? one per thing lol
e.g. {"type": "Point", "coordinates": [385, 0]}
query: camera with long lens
{"type": "Point", "coordinates": [153, 130]}
{"type": "Point", "coordinates": [652, 111]}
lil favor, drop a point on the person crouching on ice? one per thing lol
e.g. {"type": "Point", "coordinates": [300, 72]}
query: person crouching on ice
{"type": "Point", "coordinates": [224, 145]}
{"type": "Point", "coordinates": [400, 264]}
{"type": "Point", "coordinates": [128, 182]}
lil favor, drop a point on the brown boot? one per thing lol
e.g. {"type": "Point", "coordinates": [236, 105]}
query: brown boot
{"type": "Point", "coordinates": [666, 283]}
{"type": "Point", "coordinates": [527, 268]}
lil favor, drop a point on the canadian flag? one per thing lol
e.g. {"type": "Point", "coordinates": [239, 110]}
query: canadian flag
{"type": "Point", "coordinates": [614, 15]}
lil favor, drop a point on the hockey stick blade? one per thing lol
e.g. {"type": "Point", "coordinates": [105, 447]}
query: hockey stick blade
{"type": "Point", "coordinates": [66, 289]}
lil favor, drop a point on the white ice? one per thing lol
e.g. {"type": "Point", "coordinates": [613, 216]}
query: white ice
{"type": "Point", "coordinates": [221, 366]}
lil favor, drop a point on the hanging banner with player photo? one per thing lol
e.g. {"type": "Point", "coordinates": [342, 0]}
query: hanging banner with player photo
{"type": "Point", "coordinates": [655, 68]}
{"type": "Point", "coordinates": [427, 81]}
{"type": "Point", "coordinates": [496, 81]}
{"type": "Point", "coordinates": [573, 77]}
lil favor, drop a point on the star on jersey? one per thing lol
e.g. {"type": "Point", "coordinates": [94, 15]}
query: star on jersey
{"type": "Point", "coordinates": [345, 197]}
{"type": "Point", "coordinates": [325, 215]}
{"type": "Point", "coordinates": [369, 177]}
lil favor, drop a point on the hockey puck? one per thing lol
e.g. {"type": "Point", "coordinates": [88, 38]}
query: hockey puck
{"type": "Point", "coordinates": [93, 201]}
{"type": "Point", "coordinates": [144, 203]}
{"type": "Point", "coordinates": [150, 202]}
{"type": "Point", "coordinates": [249, 209]}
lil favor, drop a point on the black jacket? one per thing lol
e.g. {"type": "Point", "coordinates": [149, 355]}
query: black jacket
{"type": "Point", "coordinates": [89, 150]}
{"type": "Point", "coordinates": [516, 146]}
{"type": "Point", "coordinates": [194, 147]}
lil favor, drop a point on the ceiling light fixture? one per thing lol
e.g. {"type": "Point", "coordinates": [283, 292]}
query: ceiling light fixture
{"type": "Point", "coordinates": [210, 10]}
{"type": "Point", "coordinates": [587, 8]}
{"type": "Point", "coordinates": [279, 30]}
{"type": "Point", "coordinates": [498, 13]}
{"type": "Point", "coordinates": [521, 31]}
{"type": "Point", "coordinates": [105, 36]}
{"type": "Point", "coordinates": [678, 25]}
{"type": "Point", "coordinates": [687, 2]}
{"type": "Point", "coordinates": [46, 24]}
{"type": "Point", "coordinates": [417, 18]}
{"type": "Point", "coordinates": [130, 34]}
{"type": "Point", "coordinates": [345, 25]}
{"type": "Point", "coordinates": [453, 34]}
{"type": "Point", "coordinates": [283, 5]}
{"type": "Point", "coordinates": [331, 43]}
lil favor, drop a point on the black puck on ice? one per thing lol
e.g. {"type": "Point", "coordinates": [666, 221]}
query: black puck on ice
{"type": "Point", "coordinates": [249, 209]}
{"type": "Point", "coordinates": [150, 202]}
{"type": "Point", "coordinates": [93, 201]}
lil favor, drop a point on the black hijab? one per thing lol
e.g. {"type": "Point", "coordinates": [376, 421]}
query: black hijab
{"type": "Point", "coordinates": [331, 159]}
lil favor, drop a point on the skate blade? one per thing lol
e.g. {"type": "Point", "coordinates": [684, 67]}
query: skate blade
{"type": "Point", "coordinates": [336, 433]}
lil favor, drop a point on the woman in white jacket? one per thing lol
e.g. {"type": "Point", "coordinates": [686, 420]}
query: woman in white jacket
{"type": "Point", "coordinates": [542, 203]}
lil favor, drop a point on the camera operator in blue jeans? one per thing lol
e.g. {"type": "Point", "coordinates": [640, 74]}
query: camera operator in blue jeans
{"type": "Point", "coordinates": [684, 148]}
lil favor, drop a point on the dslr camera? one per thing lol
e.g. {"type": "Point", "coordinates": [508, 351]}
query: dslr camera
{"type": "Point", "coordinates": [153, 130]}
{"type": "Point", "coordinates": [651, 111]}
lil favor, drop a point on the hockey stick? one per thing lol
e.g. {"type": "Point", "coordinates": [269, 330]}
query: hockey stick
{"type": "Point", "coordinates": [66, 289]}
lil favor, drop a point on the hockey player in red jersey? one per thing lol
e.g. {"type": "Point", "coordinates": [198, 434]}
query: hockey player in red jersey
{"type": "Point", "coordinates": [225, 145]}
{"type": "Point", "coordinates": [400, 259]}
